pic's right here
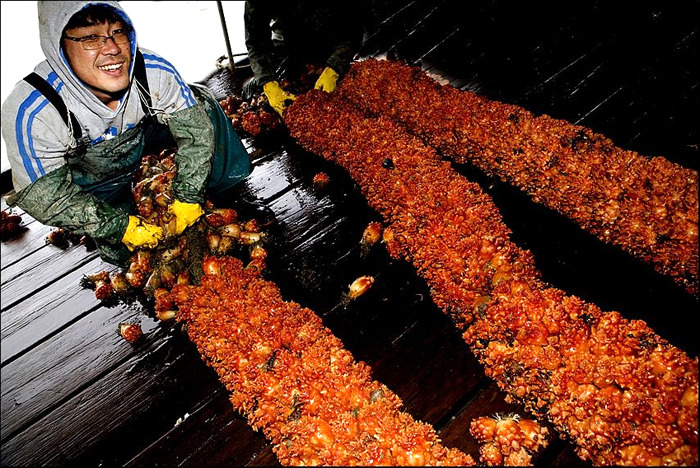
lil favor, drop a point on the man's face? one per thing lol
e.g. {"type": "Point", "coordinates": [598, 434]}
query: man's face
{"type": "Point", "coordinates": [104, 70]}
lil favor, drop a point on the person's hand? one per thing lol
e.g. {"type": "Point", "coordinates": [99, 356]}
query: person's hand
{"type": "Point", "coordinates": [278, 98]}
{"type": "Point", "coordinates": [250, 88]}
{"type": "Point", "coordinates": [139, 233]}
{"type": "Point", "coordinates": [185, 214]}
{"type": "Point", "coordinates": [327, 81]}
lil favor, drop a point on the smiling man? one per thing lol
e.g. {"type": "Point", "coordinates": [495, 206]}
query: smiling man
{"type": "Point", "coordinates": [99, 55]}
{"type": "Point", "coordinates": [77, 127]}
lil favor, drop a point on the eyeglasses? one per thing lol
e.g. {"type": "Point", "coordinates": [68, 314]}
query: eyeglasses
{"type": "Point", "coordinates": [93, 41]}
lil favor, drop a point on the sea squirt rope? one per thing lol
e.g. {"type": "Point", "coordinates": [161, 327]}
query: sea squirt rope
{"type": "Point", "coordinates": [293, 379]}
{"type": "Point", "coordinates": [647, 206]}
{"type": "Point", "coordinates": [621, 393]}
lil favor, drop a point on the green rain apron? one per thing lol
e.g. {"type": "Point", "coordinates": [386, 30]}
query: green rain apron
{"type": "Point", "coordinates": [107, 169]}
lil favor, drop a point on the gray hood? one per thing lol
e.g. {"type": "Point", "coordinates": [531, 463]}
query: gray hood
{"type": "Point", "coordinates": [53, 17]}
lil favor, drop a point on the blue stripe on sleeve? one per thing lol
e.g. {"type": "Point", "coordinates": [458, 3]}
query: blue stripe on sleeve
{"type": "Point", "coordinates": [30, 140]}
{"type": "Point", "coordinates": [26, 158]}
{"type": "Point", "coordinates": [164, 65]}
{"type": "Point", "coordinates": [28, 153]}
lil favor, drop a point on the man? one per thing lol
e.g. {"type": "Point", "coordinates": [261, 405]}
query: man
{"type": "Point", "coordinates": [77, 127]}
{"type": "Point", "coordinates": [282, 37]}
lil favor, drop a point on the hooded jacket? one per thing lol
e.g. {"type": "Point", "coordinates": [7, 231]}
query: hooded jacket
{"type": "Point", "coordinates": [38, 139]}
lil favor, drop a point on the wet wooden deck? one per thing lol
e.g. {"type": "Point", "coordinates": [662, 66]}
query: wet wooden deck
{"type": "Point", "coordinates": [74, 392]}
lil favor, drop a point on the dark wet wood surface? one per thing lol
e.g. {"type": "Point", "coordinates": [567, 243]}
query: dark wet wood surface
{"type": "Point", "coordinates": [74, 392]}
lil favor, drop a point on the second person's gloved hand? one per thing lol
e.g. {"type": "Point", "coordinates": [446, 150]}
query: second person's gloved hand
{"type": "Point", "coordinates": [185, 214]}
{"type": "Point", "coordinates": [278, 98]}
{"type": "Point", "coordinates": [139, 233]}
{"type": "Point", "coordinates": [327, 81]}
{"type": "Point", "coordinates": [250, 89]}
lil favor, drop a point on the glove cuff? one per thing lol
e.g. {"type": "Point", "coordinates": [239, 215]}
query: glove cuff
{"type": "Point", "coordinates": [329, 71]}
{"type": "Point", "coordinates": [185, 214]}
{"type": "Point", "coordinates": [271, 86]}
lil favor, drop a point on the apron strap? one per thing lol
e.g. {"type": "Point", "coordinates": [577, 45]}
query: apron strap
{"type": "Point", "coordinates": [52, 95]}
{"type": "Point", "coordinates": [140, 76]}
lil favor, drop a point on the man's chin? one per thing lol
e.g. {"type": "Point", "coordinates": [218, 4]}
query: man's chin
{"type": "Point", "coordinates": [109, 94]}
{"type": "Point", "coordinates": [118, 94]}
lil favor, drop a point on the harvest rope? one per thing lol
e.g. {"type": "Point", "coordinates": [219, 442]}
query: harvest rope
{"type": "Point", "coordinates": [620, 392]}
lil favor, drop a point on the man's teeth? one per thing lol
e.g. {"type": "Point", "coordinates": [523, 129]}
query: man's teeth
{"type": "Point", "coordinates": [110, 67]}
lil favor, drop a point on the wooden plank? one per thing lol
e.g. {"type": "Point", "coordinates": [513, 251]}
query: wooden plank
{"type": "Point", "coordinates": [36, 382]}
{"type": "Point", "coordinates": [428, 31]}
{"type": "Point", "coordinates": [270, 176]}
{"type": "Point", "coordinates": [212, 435]}
{"type": "Point", "coordinates": [42, 267]}
{"type": "Point", "coordinates": [393, 20]}
{"type": "Point", "coordinates": [265, 458]}
{"type": "Point", "coordinates": [40, 316]}
{"type": "Point", "coordinates": [316, 231]}
{"type": "Point", "coordinates": [113, 417]}
{"type": "Point", "coordinates": [26, 243]}
{"type": "Point", "coordinates": [430, 368]}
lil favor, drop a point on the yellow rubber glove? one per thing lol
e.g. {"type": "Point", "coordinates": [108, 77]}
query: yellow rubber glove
{"type": "Point", "coordinates": [185, 214]}
{"type": "Point", "coordinates": [141, 234]}
{"type": "Point", "coordinates": [278, 98]}
{"type": "Point", "coordinates": [327, 81]}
